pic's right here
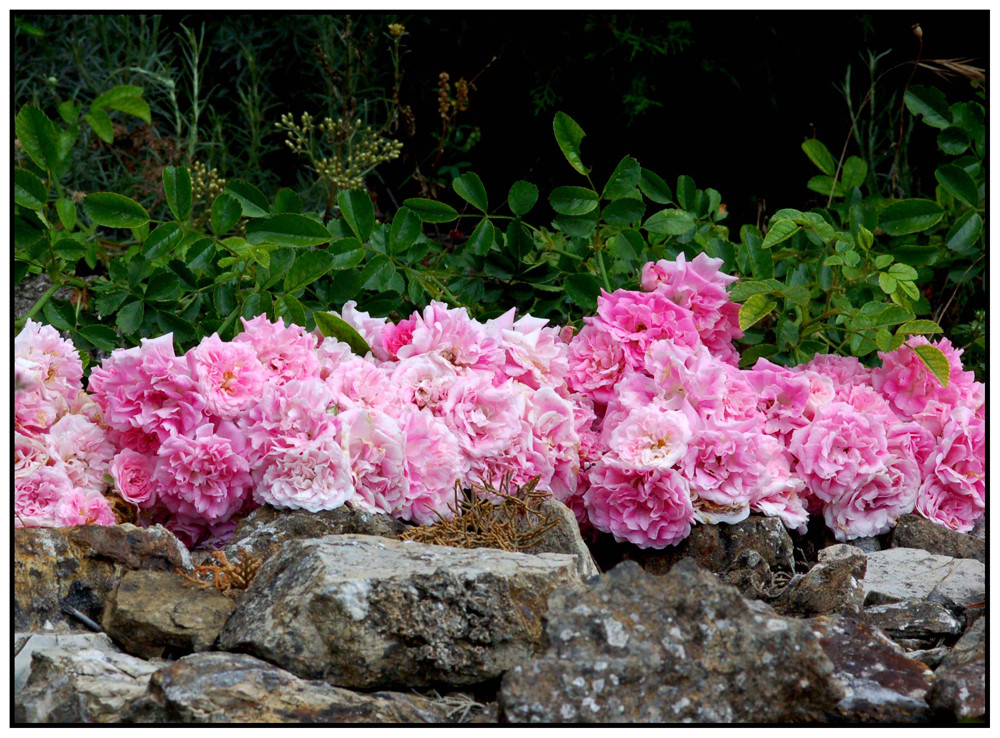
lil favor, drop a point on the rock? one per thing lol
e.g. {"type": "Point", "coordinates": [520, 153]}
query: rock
{"type": "Point", "coordinates": [266, 530]}
{"type": "Point", "coordinates": [25, 644]}
{"type": "Point", "coordinates": [716, 547]}
{"type": "Point", "coordinates": [961, 678]}
{"type": "Point", "coordinates": [682, 647]}
{"type": "Point", "coordinates": [931, 657]}
{"type": "Point", "coordinates": [914, 619]}
{"type": "Point", "coordinates": [834, 584]}
{"type": "Point", "coordinates": [898, 574]}
{"type": "Point", "coordinates": [564, 538]}
{"type": "Point", "coordinates": [914, 531]}
{"type": "Point", "coordinates": [238, 688]}
{"type": "Point", "coordinates": [881, 684]}
{"type": "Point", "coordinates": [750, 574]}
{"type": "Point", "coordinates": [81, 685]}
{"type": "Point", "coordinates": [79, 566]}
{"type": "Point", "coordinates": [154, 610]}
{"type": "Point", "coordinates": [867, 544]}
{"type": "Point", "coordinates": [361, 611]}
{"type": "Point", "coordinates": [979, 529]}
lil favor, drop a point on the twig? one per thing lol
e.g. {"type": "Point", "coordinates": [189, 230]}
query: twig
{"type": "Point", "coordinates": [82, 618]}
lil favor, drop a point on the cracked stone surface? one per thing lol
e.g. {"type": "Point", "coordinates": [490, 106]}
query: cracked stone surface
{"type": "Point", "coordinates": [898, 574]}
{"type": "Point", "coordinates": [961, 677]}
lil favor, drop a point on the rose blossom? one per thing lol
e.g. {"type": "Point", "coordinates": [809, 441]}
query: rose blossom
{"type": "Point", "coordinates": [374, 443]}
{"type": "Point", "coordinates": [37, 496]}
{"type": "Point", "coordinates": [953, 492]}
{"type": "Point", "coordinates": [595, 363]}
{"type": "Point", "coordinates": [286, 353]}
{"type": "Point", "coordinates": [432, 466]}
{"type": "Point", "coordinates": [909, 385]}
{"type": "Point", "coordinates": [299, 410]}
{"type": "Point", "coordinates": [312, 475]}
{"type": "Point", "coordinates": [450, 332]}
{"type": "Point", "coordinates": [723, 468]}
{"type": "Point", "coordinates": [871, 506]}
{"type": "Point", "coordinates": [423, 381]}
{"type": "Point", "coordinates": [84, 450]}
{"type": "Point", "coordinates": [637, 319]}
{"type": "Point", "coordinates": [82, 507]}
{"type": "Point", "coordinates": [133, 476]}
{"type": "Point", "coordinates": [535, 354]}
{"type": "Point", "coordinates": [229, 375]}
{"type": "Point", "coordinates": [484, 418]}
{"type": "Point", "coordinates": [651, 438]}
{"type": "Point", "coordinates": [48, 361]}
{"type": "Point", "coordinates": [29, 454]}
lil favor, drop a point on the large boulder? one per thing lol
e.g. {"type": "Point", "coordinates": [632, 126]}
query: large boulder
{"type": "Point", "coordinates": [882, 685]}
{"type": "Point", "coordinates": [914, 531]}
{"type": "Point", "coordinates": [238, 688]}
{"type": "Point", "coordinates": [682, 647]}
{"type": "Point", "coordinates": [367, 612]}
{"type": "Point", "coordinates": [961, 678]}
{"type": "Point", "coordinates": [25, 644]}
{"type": "Point", "coordinates": [153, 610]}
{"type": "Point", "coordinates": [899, 574]}
{"type": "Point", "coordinates": [57, 568]}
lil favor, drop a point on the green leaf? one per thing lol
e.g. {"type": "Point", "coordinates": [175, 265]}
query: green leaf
{"type": "Point", "coordinates": [333, 326]}
{"type": "Point", "coordinates": [114, 211]}
{"type": "Point", "coordinates": [903, 217]}
{"type": "Point", "coordinates": [357, 210]}
{"type": "Point", "coordinates": [761, 261]}
{"type": "Point", "coordinates": [953, 140]}
{"type": "Point", "coordinates": [177, 190]}
{"type": "Point", "coordinates": [882, 261]}
{"type": "Point", "coordinates": [864, 239]}
{"type": "Point", "coordinates": [482, 239]}
{"type": "Point", "coordinates": [129, 318]}
{"type": "Point", "coordinates": [308, 267]}
{"type": "Point", "coordinates": [29, 192]}
{"type": "Point", "coordinates": [38, 137]}
{"type": "Point", "coordinates": [573, 200]}
{"type": "Point", "coordinates": [935, 360]}
{"type": "Point", "coordinates": [779, 231]}
{"type": "Point", "coordinates": [569, 136]}
{"type": "Point", "coordinates": [687, 193]}
{"type": "Point", "coordinates": [583, 289]}
{"type": "Point", "coordinates": [163, 286]}
{"type": "Point", "coordinates": [70, 249]}
{"type": "Point", "coordinates": [406, 229]}
{"type": "Point", "coordinates": [624, 212]}
{"type": "Point", "coordinates": [169, 323]}
{"type": "Point", "coordinates": [964, 232]}
{"type": "Point", "coordinates": [787, 333]}
{"type": "Point", "coordinates": [377, 274]}
{"type": "Point", "coordinates": [958, 182]}
{"type": "Point", "coordinates": [623, 180]}
{"type": "Point", "coordinates": [225, 299]}
{"type": "Point", "coordinates": [162, 240]}
{"type": "Point", "coordinates": [752, 354]}
{"type": "Point", "coordinates": [347, 253]}
{"type": "Point", "coordinates": [21, 269]}
{"type": "Point", "coordinates": [887, 283]}
{"type": "Point", "coordinates": [820, 156]}
{"type": "Point", "coordinates": [109, 302]}
{"type": "Point", "coordinates": [100, 122]}
{"type": "Point", "coordinates": [100, 336]}
{"type": "Point", "coordinates": [226, 213]}
{"type": "Point", "coordinates": [289, 308]}
{"type": "Point", "coordinates": [884, 340]}
{"type": "Point", "coordinates": [745, 288]}
{"type": "Point", "coordinates": [286, 229]}
{"type": "Point", "coordinates": [287, 201]}
{"type": "Point", "coordinates": [470, 188]}
{"type": "Point", "coordinates": [754, 309]}
{"type": "Point", "coordinates": [903, 272]}
{"type": "Point", "coordinates": [653, 187]}
{"type": "Point", "coordinates": [670, 222]}
{"type": "Point", "coordinates": [67, 213]}
{"type": "Point", "coordinates": [125, 98]}
{"type": "Point", "coordinates": [922, 327]}
{"type": "Point", "coordinates": [431, 211]}
{"type": "Point", "coordinates": [518, 242]}
{"type": "Point", "coordinates": [930, 103]}
{"type": "Point", "coordinates": [824, 185]}
{"type": "Point", "coordinates": [251, 199]}
{"type": "Point", "coordinates": [854, 172]}
{"type": "Point", "coordinates": [522, 197]}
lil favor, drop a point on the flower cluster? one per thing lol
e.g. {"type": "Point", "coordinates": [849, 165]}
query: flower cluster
{"type": "Point", "coordinates": [61, 447]}
{"type": "Point", "coordinates": [641, 422]}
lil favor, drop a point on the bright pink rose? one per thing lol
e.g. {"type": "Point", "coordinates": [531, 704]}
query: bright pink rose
{"type": "Point", "coordinates": [459, 339]}
{"type": "Point", "coordinates": [133, 474]}
{"type": "Point", "coordinates": [432, 466]}
{"type": "Point", "coordinates": [651, 438]}
{"type": "Point", "coordinates": [485, 419]}
{"type": "Point", "coordinates": [723, 467]}
{"type": "Point", "coordinates": [596, 363]}
{"type": "Point", "coordinates": [782, 396]}
{"type": "Point", "coordinates": [396, 335]}
{"type": "Point", "coordinates": [953, 492]}
{"type": "Point", "coordinates": [81, 507]}
{"type": "Point", "coordinates": [202, 475]}
{"type": "Point", "coordinates": [312, 475]}
{"type": "Point", "coordinates": [300, 410]}
{"type": "Point", "coordinates": [424, 381]}
{"type": "Point", "coordinates": [229, 375]}
{"type": "Point", "coordinates": [651, 509]}
{"type": "Point", "coordinates": [535, 355]}
{"type": "Point", "coordinates": [909, 385]}
{"type": "Point", "coordinates": [781, 493]}
{"type": "Point", "coordinates": [844, 371]}
{"type": "Point", "coordinates": [286, 353]}
{"type": "Point", "coordinates": [37, 496]}
{"type": "Point", "coordinates": [84, 450]}
{"type": "Point", "coordinates": [360, 383]}
{"type": "Point", "coordinates": [148, 388]}
{"type": "Point", "coordinates": [135, 439]}
{"type": "Point", "coordinates": [911, 440]}
{"type": "Point", "coordinates": [872, 506]}
{"type": "Point", "coordinates": [637, 319]}
{"type": "Point", "coordinates": [374, 443]}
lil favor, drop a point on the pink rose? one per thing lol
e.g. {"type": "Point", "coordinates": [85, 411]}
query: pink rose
{"type": "Point", "coordinates": [374, 443]}
{"type": "Point", "coordinates": [229, 375]}
{"type": "Point", "coordinates": [133, 475]}
{"type": "Point", "coordinates": [432, 466]}
{"type": "Point", "coordinates": [953, 492]}
{"type": "Point", "coordinates": [37, 496]}
{"type": "Point", "coordinates": [82, 507]}
{"type": "Point", "coordinates": [637, 319]}
{"type": "Point", "coordinates": [595, 363]}
{"type": "Point", "coordinates": [286, 353]}
{"type": "Point", "coordinates": [311, 475]}
{"type": "Point", "coordinates": [651, 438]}
{"type": "Point", "coordinates": [83, 448]}
{"type": "Point", "coordinates": [909, 385]}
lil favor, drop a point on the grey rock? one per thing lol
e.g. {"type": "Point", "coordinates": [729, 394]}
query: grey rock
{"type": "Point", "coordinates": [682, 647]}
{"type": "Point", "coordinates": [267, 529]}
{"type": "Point", "coordinates": [25, 644]}
{"type": "Point", "coordinates": [238, 688]}
{"type": "Point", "coordinates": [979, 529]}
{"type": "Point", "coordinates": [750, 574]}
{"type": "Point", "coordinates": [931, 657]}
{"type": "Point", "coordinates": [564, 538]}
{"type": "Point", "coordinates": [154, 610]}
{"type": "Point", "coordinates": [961, 678]}
{"type": "Point", "coordinates": [361, 611]}
{"type": "Point", "coordinates": [898, 574]}
{"type": "Point", "coordinates": [914, 531]}
{"type": "Point", "coordinates": [867, 544]}
{"type": "Point", "coordinates": [834, 584]}
{"type": "Point", "coordinates": [882, 685]}
{"type": "Point", "coordinates": [81, 685]}
{"type": "Point", "coordinates": [79, 566]}
{"type": "Point", "coordinates": [914, 619]}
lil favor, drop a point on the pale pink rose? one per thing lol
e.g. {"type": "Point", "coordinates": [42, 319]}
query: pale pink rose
{"type": "Point", "coordinates": [84, 450]}
{"type": "Point", "coordinates": [312, 475]}
{"type": "Point", "coordinates": [844, 371]}
{"type": "Point", "coordinates": [286, 353]}
{"type": "Point", "coordinates": [781, 494]}
{"type": "Point", "coordinates": [29, 454]}
{"type": "Point", "coordinates": [871, 506]}
{"type": "Point", "coordinates": [535, 354]}
{"type": "Point", "coordinates": [723, 467]}
{"type": "Point", "coordinates": [911, 440]}
{"type": "Point", "coordinates": [86, 406]}
{"type": "Point", "coordinates": [485, 419]}
{"type": "Point", "coordinates": [300, 410]}
{"type": "Point", "coordinates": [368, 327]}
{"type": "Point", "coordinates": [651, 509]}
{"type": "Point", "coordinates": [133, 474]}
{"type": "Point", "coordinates": [909, 385]}
{"type": "Point", "coordinates": [840, 451]}
{"type": "Point", "coordinates": [149, 388]}
{"type": "Point", "coordinates": [37, 496]}
{"type": "Point", "coordinates": [423, 381]}
{"type": "Point", "coordinates": [360, 383]}
{"type": "Point", "coordinates": [396, 335]}
{"type": "Point", "coordinates": [35, 410]}
{"type": "Point", "coordinates": [82, 507]}
{"type": "Point", "coordinates": [651, 438]}
{"type": "Point", "coordinates": [374, 443]}
{"type": "Point", "coordinates": [596, 363]}
{"type": "Point", "coordinates": [637, 319]}
{"type": "Point", "coordinates": [554, 442]}
{"type": "Point", "coordinates": [782, 397]}
{"type": "Point", "coordinates": [330, 354]}
{"type": "Point", "coordinates": [432, 467]}
{"type": "Point", "coordinates": [229, 375]}
{"type": "Point", "coordinates": [202, 475]}
{"type": "Point", "coordinates": [586, 423]}
{"type": "Point", "coordinates": [865, 399]}
{"type": "Point", "coordinates": [49, 361]}
{"type": "Point", "coordinates": [459, 339]}
{"type": "Point", "coordinates": [953, 492]}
